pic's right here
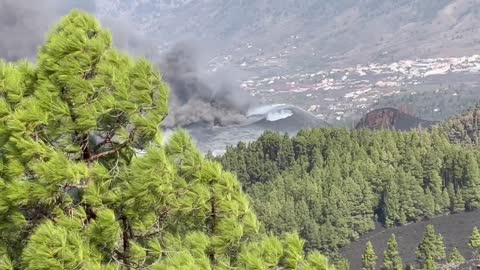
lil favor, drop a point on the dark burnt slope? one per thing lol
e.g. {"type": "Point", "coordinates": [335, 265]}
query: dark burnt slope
{"type": "Point", "coordinates": [298, 120]}
{"type": "Point", "coordinates": [456, 230]}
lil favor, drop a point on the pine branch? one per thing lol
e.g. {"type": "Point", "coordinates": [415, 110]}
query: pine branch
{"type": "Point", "coordinates": [126, 242]}
{"type": "Point", "coordinates": [164, 214]}
{"type": "Point", "coordinates": [110, 133]}
{"type": "Point", "coordinates": [148, 235]}
{"type": "Point", "coordinates": [107, 140]}
{"type": "Point", "coordinates": [104, 154]}
{"type": "Point", "coordinates": [213, 215]}
{"type": "Point", "coordinates": [112, 151]}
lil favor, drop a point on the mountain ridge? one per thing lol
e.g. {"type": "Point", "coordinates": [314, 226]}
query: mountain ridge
{"type": "Point", "coordinates": [312, 32]}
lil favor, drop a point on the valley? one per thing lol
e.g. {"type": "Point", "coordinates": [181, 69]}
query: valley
{"type": "Point", "coordinates": [344, 94]}
{"type": "Point", "coordinates": [239, 134]}
{"type": "Point", "coordinates": [428, 89]}
{"type": "Point", "coordinates": [336, 59]}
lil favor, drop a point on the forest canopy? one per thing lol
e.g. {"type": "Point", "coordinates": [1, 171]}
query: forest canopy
{"type": "Point", "coordinates": [332, 185]}
{"type": "Point", "coordinates": [87, 183]}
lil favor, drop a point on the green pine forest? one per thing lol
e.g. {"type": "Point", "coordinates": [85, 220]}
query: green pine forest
{"type": "Point", "coordinates": [331, 185]}
{"type": "Point", "coordinates": [86, 181]}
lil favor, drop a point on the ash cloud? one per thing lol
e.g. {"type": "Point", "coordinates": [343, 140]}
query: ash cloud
{"type": "Point", "coordinates": [199, 96]}
{"type": "Point", "coordinates": [127, 38]}
{"type": "Point", "coordinates": [196, 94]}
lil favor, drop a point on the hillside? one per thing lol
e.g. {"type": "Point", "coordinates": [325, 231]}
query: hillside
{"type": "Point", "coordinates": [335, 186]}
{"type": "Point", "coordinates": [306, 32]}
{"type": "Point", "coordinates": [85, 171]}
{"type": "Point", "coordinates": [456, 230]}
{"type": "Point", "coordinates": [336, 59]}
{"type": "Point", "coordinates": [464, 128]}
{"type": "Point", "coordinates": [390, 118]}
{"type": "Point", "coordinates": [331, 185]}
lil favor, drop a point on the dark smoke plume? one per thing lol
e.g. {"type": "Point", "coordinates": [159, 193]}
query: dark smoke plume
{"type": "Point", "coordinates": [199, 96]}
{"type": "Point", "coordinates": [196, 95]}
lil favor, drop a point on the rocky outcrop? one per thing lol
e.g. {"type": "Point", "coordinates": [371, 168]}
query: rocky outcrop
{"type": "Point", "coordinates": [391, 118]}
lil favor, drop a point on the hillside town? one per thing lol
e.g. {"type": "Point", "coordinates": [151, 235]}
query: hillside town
{"type": "Point", "coordinates": [336, 93]}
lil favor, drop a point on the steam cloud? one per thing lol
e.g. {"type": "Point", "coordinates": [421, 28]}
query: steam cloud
{"type": "Point", "coordinates": [196, 95]}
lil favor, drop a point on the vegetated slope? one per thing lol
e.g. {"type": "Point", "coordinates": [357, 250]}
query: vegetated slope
{"type": "Point", "coordinates": [464, 128]}
{"type": "Point", "coordinates": [303, 31]}
{"type": "Point", "coordinates": [391, 118]}
{"type": "Point", "coordinates": [332, 184]}
{"type": "Point", "coordinates": [435, 103]}
{"type": "Point", "coordinates": [456, 230]}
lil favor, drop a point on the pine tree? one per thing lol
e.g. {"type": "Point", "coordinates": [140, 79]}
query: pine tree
{"type": "Point", "coordinates": [86, 181]}
{"type": "Point", "coordinates": [410, 267]}
{"type": "Point", "coordinates": [445, 201]}
{"type": "Point", "coordinates": [342, 263]}
{"type": "Point", "coordinates": [369, 258]}
{"type": "Point", "coordinates": [429, 264]}
{"type": "Point", "coordinates": [432, 246]}
{"type": "Point", "coordinates": [471, 190]}
{"type": "Point", "coordinates": [429, 204]}
{"type": "Point", "coordinates": [457, 204]}
{"type": "Point", "coordinates": [456, 257]}
{"type": "Point", "coordinates": [392, 203]}
{"type": "Point", "coordinates": [412, 194]}
{"type": "Point", "coordinates": [392, 260]}
{"type": "Point", "coordinates": [432, 165]}
{"type": "Point", "coordinates": [474, 241]}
